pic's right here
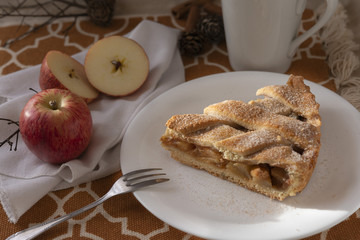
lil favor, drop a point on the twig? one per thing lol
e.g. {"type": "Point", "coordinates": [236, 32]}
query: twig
{"type": "Point", "coordinates": [16, 134]}
{"type": "Point", "coordinates": [15, 11]}
{"type": "Point", "coordinates": [31, 89]}
{"type": "Point", "coordinates": [10, 121]}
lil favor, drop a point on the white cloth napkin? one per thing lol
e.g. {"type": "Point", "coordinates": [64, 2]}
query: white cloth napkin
{"type": "Point", "coordinates": [24, 179]}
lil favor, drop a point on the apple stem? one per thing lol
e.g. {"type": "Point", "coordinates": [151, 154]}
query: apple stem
{"type": "Point", "coordinates": [53, 104]}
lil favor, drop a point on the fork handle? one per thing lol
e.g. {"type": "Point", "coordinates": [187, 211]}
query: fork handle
{"type": "Point", "coordinates": [36, 230]}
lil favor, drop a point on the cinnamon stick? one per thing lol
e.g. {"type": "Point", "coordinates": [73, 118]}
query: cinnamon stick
{"type": "Point", "coordinates": [182, 9]}
{"type": "Point", "coordinates": [192, 19]}
{"type": "Point", "coordinates": [212, 8]}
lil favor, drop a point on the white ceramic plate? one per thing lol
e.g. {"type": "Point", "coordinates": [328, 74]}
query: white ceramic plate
{"type": "Point", "coordinates": [200, 204]}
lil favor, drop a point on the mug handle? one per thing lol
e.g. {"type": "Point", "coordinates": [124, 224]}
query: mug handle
{"type": "Point", "coordinates": [330, 9]}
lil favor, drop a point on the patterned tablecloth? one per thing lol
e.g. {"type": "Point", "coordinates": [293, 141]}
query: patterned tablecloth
{"type": "Point", "coordinates": [123, 217]}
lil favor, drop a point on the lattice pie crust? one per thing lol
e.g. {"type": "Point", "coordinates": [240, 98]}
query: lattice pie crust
{"type": "Point", "coordinates": [269, 145]}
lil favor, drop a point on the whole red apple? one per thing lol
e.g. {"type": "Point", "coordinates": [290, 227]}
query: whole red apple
{"type": "Point", "coordinates": [56, 125]}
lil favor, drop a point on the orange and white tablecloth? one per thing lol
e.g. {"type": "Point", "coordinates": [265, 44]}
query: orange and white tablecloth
{"type": "Point", "coordinates": [123, 217]}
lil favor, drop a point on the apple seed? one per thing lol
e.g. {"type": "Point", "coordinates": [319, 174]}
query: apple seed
{"type": "Point", "coordinates": [72, 73]}
{"type": "Point", "coordinates": [117, 64]}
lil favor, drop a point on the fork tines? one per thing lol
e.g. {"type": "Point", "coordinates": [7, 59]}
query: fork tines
{"type": "Point", "coordinates": [133, 178]}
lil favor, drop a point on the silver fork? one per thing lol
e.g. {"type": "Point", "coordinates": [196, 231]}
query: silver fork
{"type": "Point", "coordinates": [129, 182]}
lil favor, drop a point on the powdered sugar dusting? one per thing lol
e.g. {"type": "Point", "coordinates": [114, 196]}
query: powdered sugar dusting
{"type": "Point", "coordinates": [222, 198]}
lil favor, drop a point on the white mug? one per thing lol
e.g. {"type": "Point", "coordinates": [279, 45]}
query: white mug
{"type": "Point", "coordinates": [262, 34]}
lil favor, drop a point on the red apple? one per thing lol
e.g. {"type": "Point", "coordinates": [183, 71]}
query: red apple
{"type": "Point", "coordinates": [59, 70]}
{"type": "Point", "coordinates": [116, 66]}
{"type": "Point", "coordinates": [56, 125]}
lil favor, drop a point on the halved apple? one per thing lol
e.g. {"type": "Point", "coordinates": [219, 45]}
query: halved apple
{"type": "Point", "coordinates": [59, 70]}
{"type": "Point", "coordinates": [116, 66]}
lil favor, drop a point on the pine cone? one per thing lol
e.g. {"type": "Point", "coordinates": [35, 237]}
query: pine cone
{"type": "Point", "coordinates": [212, 27]}
{"type": "Point", "coordinates": [100, 11]}
{"type": "Point", "coordinates": [191, 43]}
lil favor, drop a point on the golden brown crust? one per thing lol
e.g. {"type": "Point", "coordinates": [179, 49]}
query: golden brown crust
{"type": "Point", "coordinates": [192, 122]}
{"type": "Point", "coordinates": [268, 145]}
{"type": "Point", "coordinates": [255, 118]}
{"type": "Point", "coordinates": [297, 96]}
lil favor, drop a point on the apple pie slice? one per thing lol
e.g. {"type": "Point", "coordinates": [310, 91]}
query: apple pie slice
{"type": "Point", "coordinates": [269, 145]}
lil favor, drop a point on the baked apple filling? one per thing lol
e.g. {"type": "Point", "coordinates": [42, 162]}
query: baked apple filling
{"type": "Point", "coordinates": [263, 174]}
